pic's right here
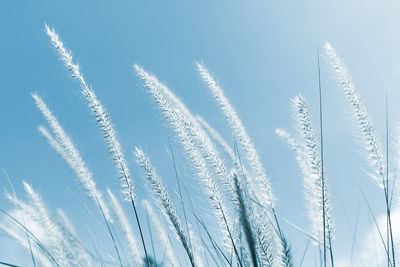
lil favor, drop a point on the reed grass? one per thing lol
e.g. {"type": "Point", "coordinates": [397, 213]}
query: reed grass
{"type": "Point", "coordinates": [236, 222]}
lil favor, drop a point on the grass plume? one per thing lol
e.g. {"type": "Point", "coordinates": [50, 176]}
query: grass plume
{"type": "Point", "coordinates": [261, 185]}
{"type": "Point", "coordinates": [64, 146]}
{"type": "Point", "coordinates": [104, 122]}
{"type": "Point", "coordinates": [370, 140]}
{"type": "Point", "coordinates": [190, 137]}
{"type": "Point", "coordinates": [164, 202]}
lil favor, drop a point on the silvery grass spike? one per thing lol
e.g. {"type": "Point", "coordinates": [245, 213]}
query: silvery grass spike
{"type": "Point", "coordinates": [370, 140]}
{"type": "Point", "coordinates": [259, 184]}
{"type": "Point", "coordinates": [63, 145]}
{"type": "Point", "coordinates": [203, 142]}
{"type": "Point", "coordinates": [310, 163]}
{"type": "Point", "coordinates": [172, 105]}
{"type": "Point", "coordinates": [104, 122]}
{"type": "Point", "coordinates": [164, 202]}
{"type": "Point", "coordinates": [260, 181]}
{"type": "Point", "coordinates": [217, 137]}
{"type": "Point", "coordinates": [99, 112]}
{"type": "Point", "coordinates": [180, 120]}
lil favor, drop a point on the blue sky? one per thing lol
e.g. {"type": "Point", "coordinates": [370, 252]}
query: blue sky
{"type": "Point", "coordinates": [262, 52]}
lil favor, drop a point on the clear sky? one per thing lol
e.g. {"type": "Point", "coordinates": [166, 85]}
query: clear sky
{"type": "Point", "coordinates": [262, 52]}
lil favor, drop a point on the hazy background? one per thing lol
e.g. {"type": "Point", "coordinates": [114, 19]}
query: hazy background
{"type": "Point", "coordinates": [262, 52]}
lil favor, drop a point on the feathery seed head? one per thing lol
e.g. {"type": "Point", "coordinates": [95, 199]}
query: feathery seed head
{"type": "Point", "coordinates": [63, 145]}
{"type": "Point", "coordinates": [308, 157]}
{"type": "Point", "coordinates": [164, 201]}
{"type": "Point", "coordinates": [369, 138]}
{"type": "Point", "coordinates": [197, 146]}
{"type": "Point", "coordinates": [259, 181]}
{"type": "Point", "coordinates": [99, 112]}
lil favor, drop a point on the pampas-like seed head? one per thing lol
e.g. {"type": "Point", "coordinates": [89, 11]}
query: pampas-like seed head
{"type": "Point", "coordinates": [100, 114]}
{"type": "Point", "coordinates": [64, 146]}
{"type": "Point", "coordinates": [261, 185]}
{"type": "Point", "coordinates": [192, 141]}
{"type": "Point", "coordinates": [370, 140]}
{"type": "Point", "coordinates": [164, 201]}
{"type": "Point", "coordinates": [315, 185]}
{"type": "Point", "coordinates": [68, 251]}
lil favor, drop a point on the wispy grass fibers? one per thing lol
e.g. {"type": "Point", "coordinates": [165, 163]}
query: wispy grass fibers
{"type": "Point", "coordinates": [198, 149]}
{"type": "Point", "coordinates": [370, 139]}
{"type": "Point", "coordinates": [104, 122]}
{"type": "Point", "coordinates": [164, 202]}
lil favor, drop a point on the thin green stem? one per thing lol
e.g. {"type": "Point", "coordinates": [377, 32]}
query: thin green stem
{"type": "Point", "coordinates": [322, 161]}
{"type": "Point", "coordinates": [386, 189]}
{"type": "Point", "coordinates": [8, 264]}
{"type": "Point", "coordinates": [151, 236]}
{"type": "Point", "coordinates": [110, 232]}
{"type": "Point", "coordinates": [140, 231]}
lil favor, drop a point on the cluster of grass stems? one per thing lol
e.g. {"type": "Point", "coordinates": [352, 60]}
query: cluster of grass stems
{"type": "Point", "coordinates": [247, 229]}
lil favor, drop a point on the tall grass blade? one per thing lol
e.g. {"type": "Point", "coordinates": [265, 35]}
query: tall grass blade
{"type": "Point", "coordinates": [42, 260]}
{"type": "Point", "coordinates": [377, 227]}
{"type": "Point", "coordinates": [126, 228]}
{"type": "Point", "coordinates": [162, 235]}
{"type": "Point", "coordinates": [8, 264]}
{"type": "Point", "coordinates": [37, 241]}
{"type": "Point", "coordinates": [180, 191]}
{"type": "Point", "coordinates": [389, 230]}
{"type": "Point", "coordinates": [218, 251]}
